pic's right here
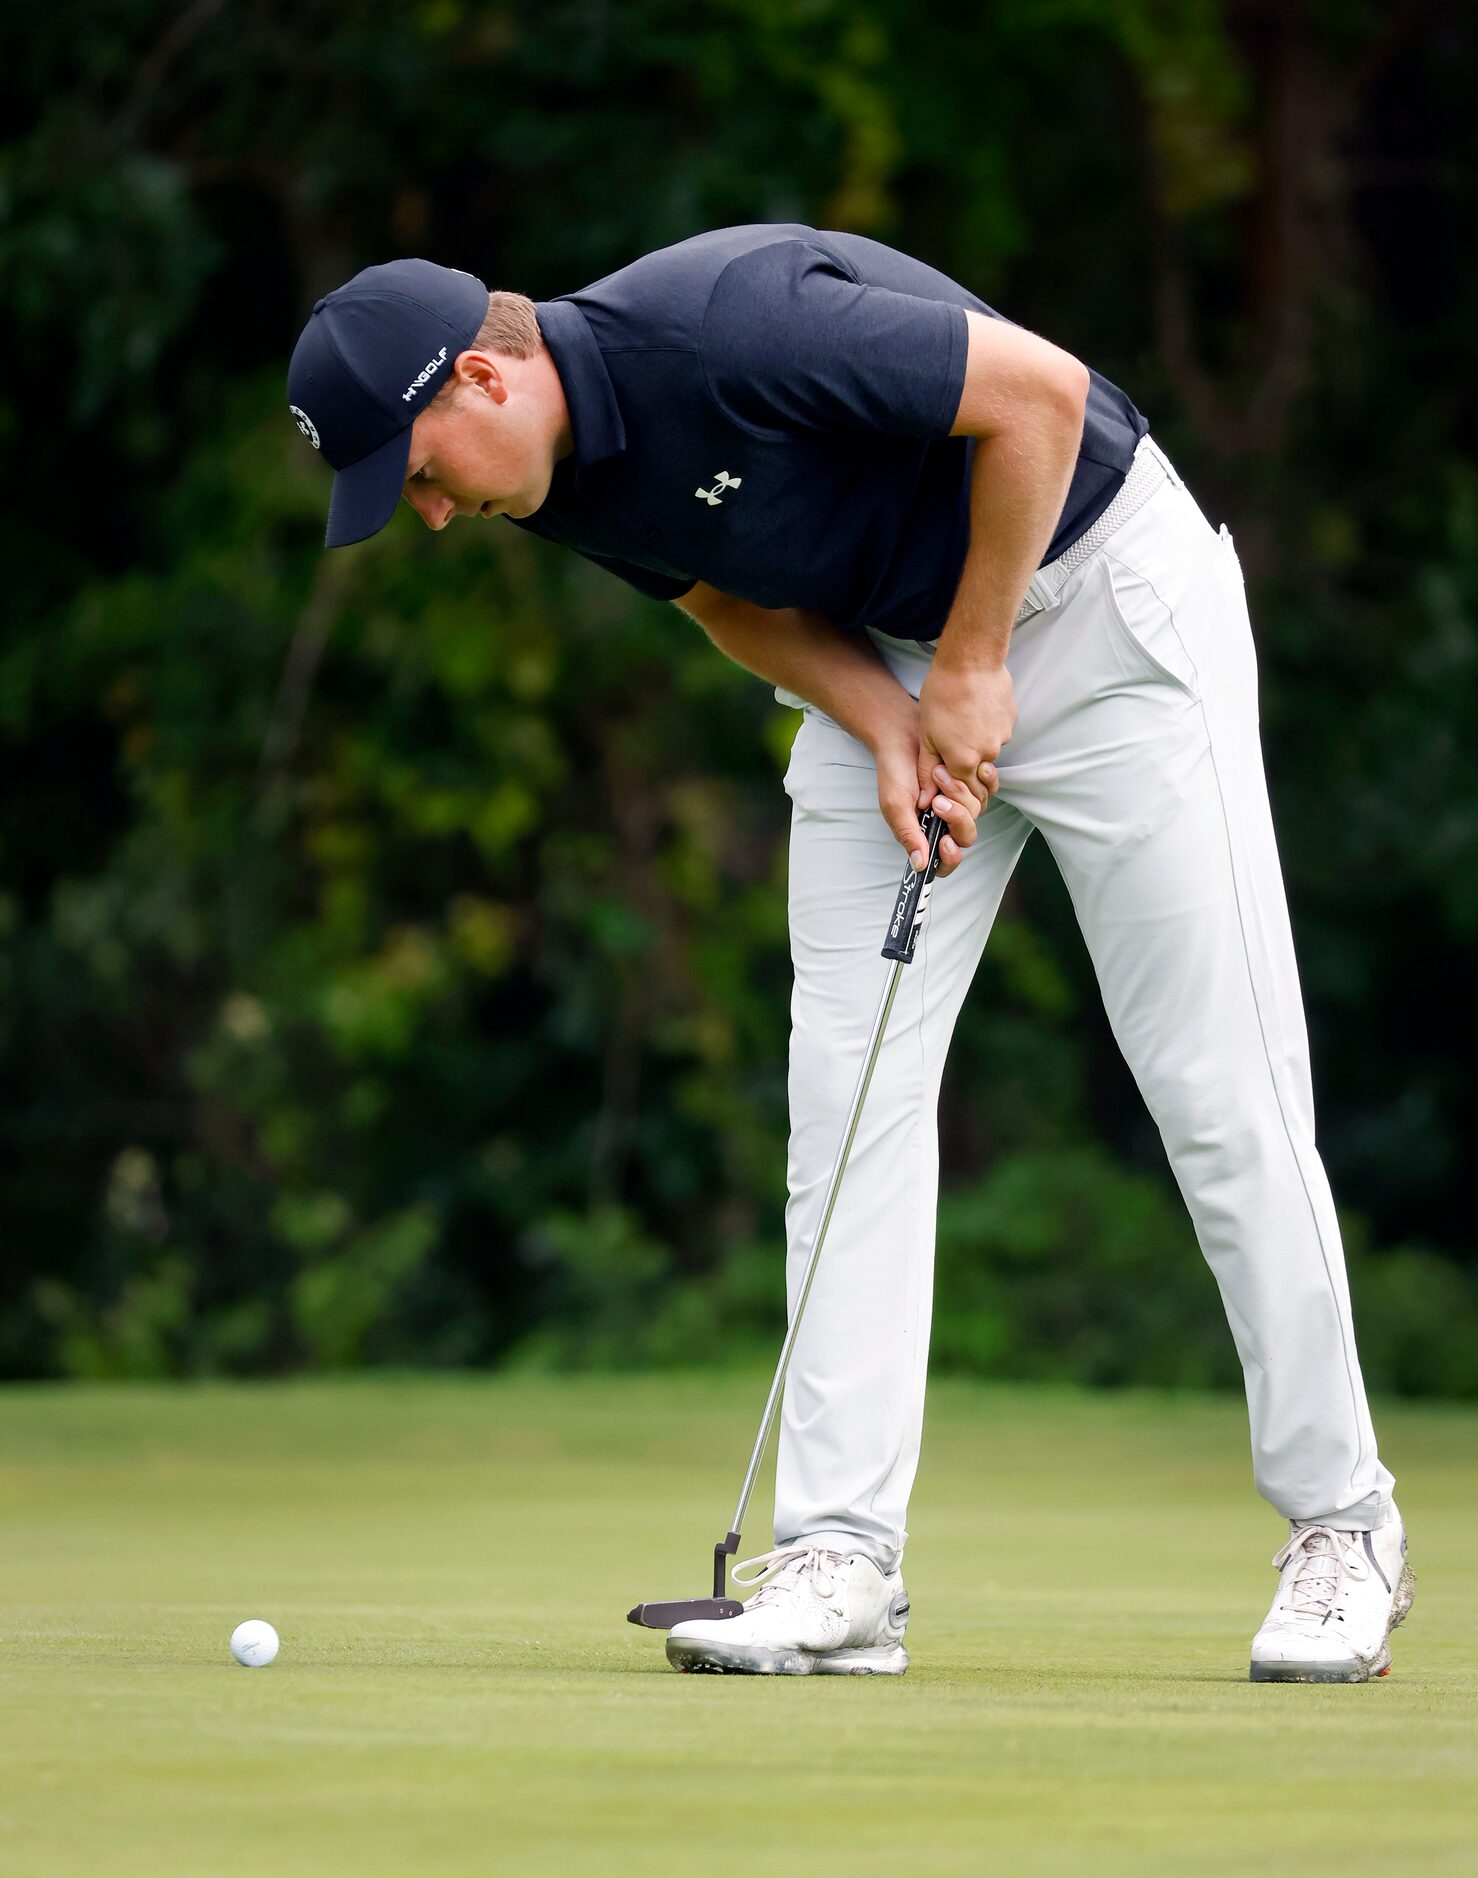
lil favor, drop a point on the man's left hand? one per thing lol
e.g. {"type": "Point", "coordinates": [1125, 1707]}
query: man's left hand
{"type": "Point", "coordinates": [965, 718]}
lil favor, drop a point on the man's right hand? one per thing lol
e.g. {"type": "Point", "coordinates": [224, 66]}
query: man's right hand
{"type": "Point", "coordinates": [906, 788]}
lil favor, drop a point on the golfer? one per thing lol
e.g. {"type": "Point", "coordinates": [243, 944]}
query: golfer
{"type": "Point", "coordinates": [957, 550]}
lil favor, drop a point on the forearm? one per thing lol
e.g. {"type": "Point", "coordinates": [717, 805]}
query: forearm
{"type": "Point", "coordinates": [845, 676]}
{"type": "Point", "coordinates": [810, 655]}
{"type": "Point", "coordinates": [1018, 484]}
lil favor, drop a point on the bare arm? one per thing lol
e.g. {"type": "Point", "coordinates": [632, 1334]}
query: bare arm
{"type": "Point", "coordinates": [1024, 401]}
{"type": "Point", "coordinates": [808, 654]}
{"type": "Point", "coordinates": [843, 675]}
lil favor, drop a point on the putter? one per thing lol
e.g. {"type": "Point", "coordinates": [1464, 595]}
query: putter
{"type": "Point", "coordinates": [904, 923]}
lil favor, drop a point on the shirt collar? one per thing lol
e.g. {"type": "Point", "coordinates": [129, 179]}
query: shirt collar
{"type": "Point", "coordinates": [595, 416]}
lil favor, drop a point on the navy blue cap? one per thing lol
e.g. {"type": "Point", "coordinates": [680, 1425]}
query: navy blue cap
{"type": "Point", "coordinates": [373, 355]}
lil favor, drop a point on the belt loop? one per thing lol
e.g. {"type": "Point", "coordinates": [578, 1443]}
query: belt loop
{"type": "Point", "coordinates": [1042, 589]}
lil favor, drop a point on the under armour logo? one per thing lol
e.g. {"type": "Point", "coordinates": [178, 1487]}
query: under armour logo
{"type": "Point", "coordinates": [306, 425]}
{"type": "Point", "coordinates": [723, 481]}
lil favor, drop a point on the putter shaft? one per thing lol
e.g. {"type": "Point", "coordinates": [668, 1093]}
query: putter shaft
{"type": "Point", "coordinates": [903, 930]}
{"type": "Point", "coordinates": [772, 1403]}
{"type": "Point", "coordinates": [904, 924]}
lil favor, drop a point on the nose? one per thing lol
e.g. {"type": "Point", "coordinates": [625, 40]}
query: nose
{"type": "Point", "coordinates": [435, 511]}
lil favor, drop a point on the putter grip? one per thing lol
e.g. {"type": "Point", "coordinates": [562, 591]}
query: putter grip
{"type": "Point", "coordinates": [912, 899]}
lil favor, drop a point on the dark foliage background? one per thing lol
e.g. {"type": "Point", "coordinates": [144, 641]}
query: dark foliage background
{"type": "Point", "coordinates": [392, 944]}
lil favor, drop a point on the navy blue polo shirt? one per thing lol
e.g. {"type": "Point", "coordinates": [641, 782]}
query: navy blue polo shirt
{"type": "Point", "coordinates": [767, 408]}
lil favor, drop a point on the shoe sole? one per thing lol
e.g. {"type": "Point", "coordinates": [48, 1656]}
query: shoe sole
{"type": "Point", "coordinates": [719, 1659]}
{"type": "Point", "coordinates": [1357, 1669]}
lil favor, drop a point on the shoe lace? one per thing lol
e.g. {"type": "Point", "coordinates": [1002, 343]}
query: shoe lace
{"type": "Point", "coordinates": [789, 1566]}
{"type": "Point", "coordinates": [1324, 1558]}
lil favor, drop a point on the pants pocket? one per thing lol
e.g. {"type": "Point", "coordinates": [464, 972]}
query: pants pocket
{"type": "Point", "coordinates": [1236, 636]}
{"type": "Point", "coordinates": [1145, 628]}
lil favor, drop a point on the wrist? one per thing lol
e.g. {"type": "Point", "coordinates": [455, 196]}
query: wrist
{"type": "Point", "coordinates": [967, 657]}
{"type": "Point", "coordinates": [894, 719]}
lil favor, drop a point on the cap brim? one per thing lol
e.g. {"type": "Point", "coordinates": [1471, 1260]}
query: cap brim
{"type": "Point", "coordinates": [365, 494]}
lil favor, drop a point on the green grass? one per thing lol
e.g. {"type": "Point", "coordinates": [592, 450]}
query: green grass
{"type": "Point", "coordinates": [449, 1563]}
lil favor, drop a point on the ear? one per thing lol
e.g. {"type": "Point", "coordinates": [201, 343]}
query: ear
{"type": "Point", "coordinates": [481, 371]}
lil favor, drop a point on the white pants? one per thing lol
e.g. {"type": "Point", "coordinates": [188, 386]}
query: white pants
{"type": "Point", "coordinates": [1136, 752]}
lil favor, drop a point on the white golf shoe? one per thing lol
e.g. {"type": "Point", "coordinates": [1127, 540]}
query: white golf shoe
{"type": "Point", "coordinates": [817, 1613]}
{"type": "Point", "coordinates": [1340, 1596]}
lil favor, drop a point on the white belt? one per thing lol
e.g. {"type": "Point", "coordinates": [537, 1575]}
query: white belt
{"type": "Point", "coordinates": [1147, 473]}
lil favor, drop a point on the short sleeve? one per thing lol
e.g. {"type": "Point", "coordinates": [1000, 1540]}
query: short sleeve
{"type": "Point", "coordinates": [654, 586]}
{"type": "Point", "coordinates": [792, 340]}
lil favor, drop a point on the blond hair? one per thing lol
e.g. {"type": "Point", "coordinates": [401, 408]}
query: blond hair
{"type": "Point", "coordinates": [509, 326]}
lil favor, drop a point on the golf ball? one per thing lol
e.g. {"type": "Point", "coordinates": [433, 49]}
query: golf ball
{"type": "Point", "coordinates": [254, 1644]}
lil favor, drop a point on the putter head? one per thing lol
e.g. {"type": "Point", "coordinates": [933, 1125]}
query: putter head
{"type": "Point", "coordinates": [662, 1616]}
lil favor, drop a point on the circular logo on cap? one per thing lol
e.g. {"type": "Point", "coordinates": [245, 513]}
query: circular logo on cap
{"type": "Point", "coordinates": [306, 425]}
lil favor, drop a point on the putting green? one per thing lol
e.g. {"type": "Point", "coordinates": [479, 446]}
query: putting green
{"type": "Point", "coordinates": [449, 1563]}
